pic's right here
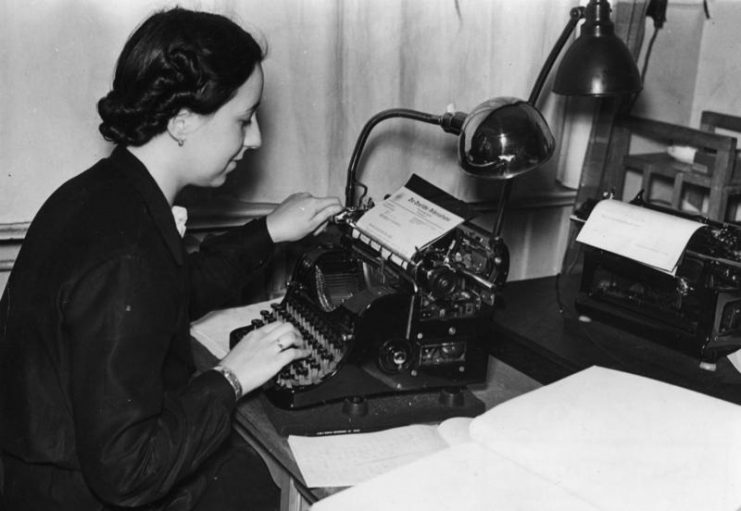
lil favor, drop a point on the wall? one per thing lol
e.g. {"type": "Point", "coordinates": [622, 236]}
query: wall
{"type": "Point", "coordinates": [51, 55]}
{"type": "Point", "coordinates": [719, 65]}
{"type": "Point", "coordinates": [669, 80]}
{"type": "Point", "coordinates": [694, 66]}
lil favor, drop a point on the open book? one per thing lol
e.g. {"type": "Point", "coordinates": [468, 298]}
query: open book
{"type": "Point", "coordinates": [597, 440]}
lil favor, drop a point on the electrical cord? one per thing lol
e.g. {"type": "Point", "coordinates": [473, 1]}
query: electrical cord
{"type": "Point", "coordinates": [657, 11]}
{"type": "Point", "coordinates": [649, 50]}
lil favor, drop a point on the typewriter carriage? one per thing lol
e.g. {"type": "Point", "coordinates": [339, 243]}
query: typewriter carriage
{"type": "Point", "coordinates": [697, 311]}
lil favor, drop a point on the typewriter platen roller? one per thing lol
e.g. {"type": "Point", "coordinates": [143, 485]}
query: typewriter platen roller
{"type": "Point", "coordinates": [379, 326]}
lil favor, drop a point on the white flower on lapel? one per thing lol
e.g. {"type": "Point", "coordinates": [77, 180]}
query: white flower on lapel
{"type": "Point", "coordinates": [181, 217]}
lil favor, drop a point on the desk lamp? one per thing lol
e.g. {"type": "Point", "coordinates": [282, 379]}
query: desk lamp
{"type": "Point", "coordinates": [504, 137]}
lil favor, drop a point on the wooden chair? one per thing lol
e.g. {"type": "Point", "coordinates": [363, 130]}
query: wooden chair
{"type": "Point", "coordinates": [713, 170]}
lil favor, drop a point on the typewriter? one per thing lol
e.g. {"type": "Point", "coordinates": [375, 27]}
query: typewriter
{"type": "Point", "coordinates": [697, 310]}
{"type": "Point", "coordinates": [380, 324]}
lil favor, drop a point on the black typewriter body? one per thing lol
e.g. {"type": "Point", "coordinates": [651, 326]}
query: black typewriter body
{"type": "Point", "coordinates": [696, 311]}
{"type": "Point", "coordinates": [378, 327]}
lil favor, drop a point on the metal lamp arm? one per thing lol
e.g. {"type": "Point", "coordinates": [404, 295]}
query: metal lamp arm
{"type": "Point", "coordinates": [575, 14]}
{"type": "Point", "coordinates": [450, 122]}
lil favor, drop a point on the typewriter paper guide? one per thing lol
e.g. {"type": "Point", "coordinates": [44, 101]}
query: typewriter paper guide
{"type": "Point", "coordinates": [407, 221]}
{"type": "Point", "coordinates": [649, 237]}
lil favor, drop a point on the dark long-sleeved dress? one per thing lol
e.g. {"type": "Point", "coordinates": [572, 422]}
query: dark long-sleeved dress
{"type": "Point", "coordinates": [98, 403]}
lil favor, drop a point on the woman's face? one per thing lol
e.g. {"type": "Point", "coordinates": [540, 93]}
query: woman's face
{"type": "Point", "coordinates": [221, 138]}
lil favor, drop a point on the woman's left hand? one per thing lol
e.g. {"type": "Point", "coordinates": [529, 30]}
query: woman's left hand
{"type": "Point", "coordinates": [299, 215]}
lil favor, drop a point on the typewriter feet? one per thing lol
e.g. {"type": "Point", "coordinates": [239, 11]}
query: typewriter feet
{"type": "Point", "coordinates": [355, 406]}
{"type": "Point", "coordinates": [452, 397]}
{"type": "Point", "coordinates": [358, 406]}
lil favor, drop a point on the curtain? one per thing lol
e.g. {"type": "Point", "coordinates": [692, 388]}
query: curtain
{"type": "Point", "coordinates": [331, 65]}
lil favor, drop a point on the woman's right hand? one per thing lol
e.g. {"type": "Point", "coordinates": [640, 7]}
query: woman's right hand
{"type": "Point", "coordinates": [300, 215]}
{"type": "Point", "coordinates": [263, 352]}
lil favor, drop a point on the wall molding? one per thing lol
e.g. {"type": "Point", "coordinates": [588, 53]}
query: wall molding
{"type": "Point", "coordinates": [223, 215]}
{"type": "Point", "coordinates": [11, 236]}
{"type": "Point", "coordinates": [230, 213]}
{"type": "Point", "coordinates": [13, 231]}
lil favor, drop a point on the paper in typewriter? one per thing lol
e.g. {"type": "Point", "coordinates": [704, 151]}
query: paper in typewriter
{"type": "Point", "coordinates": [649, 237]}
{"type": "Point", "coordinates": [411, 218]}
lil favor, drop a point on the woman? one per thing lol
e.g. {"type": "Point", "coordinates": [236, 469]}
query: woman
{"type": "Point", "coordinates": [99, 406]}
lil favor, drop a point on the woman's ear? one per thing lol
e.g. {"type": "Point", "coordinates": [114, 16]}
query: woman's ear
{"type": "Point", "coordinates": [181, 125]}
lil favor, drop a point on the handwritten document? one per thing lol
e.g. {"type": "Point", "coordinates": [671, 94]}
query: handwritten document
{"type": "Point", "coordinates": [406, 221]}
{"type": "Point", "coordinates": [649, 237]}
{"type": "Point", "coordinates": [346, 460]}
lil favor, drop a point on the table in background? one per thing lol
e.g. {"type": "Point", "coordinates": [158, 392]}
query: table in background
{"type": "Point", "coordinates": [538, 332]}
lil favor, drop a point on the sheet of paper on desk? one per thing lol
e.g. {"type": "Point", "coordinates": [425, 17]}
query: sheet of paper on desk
{"type": "Point", "coordinates": [649, 237]}
{"type": "Point", "coordinates": [213, 329]}
{"type": "Point", "coordinates": [599, 439]}
{"type": "Point", "coordinates": [466, 477]}
{"type": "Point", "coordinates": [346, 460]}
{"type": "Point", "coordinates": [406, 221]}
{"type": "Point", "coordinates": [624, 441]}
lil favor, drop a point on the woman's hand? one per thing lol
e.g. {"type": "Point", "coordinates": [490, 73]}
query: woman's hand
{"type": "Point", "coordinates": [263, 352]}
{"type": "Point", "coordinates": [299, 215]}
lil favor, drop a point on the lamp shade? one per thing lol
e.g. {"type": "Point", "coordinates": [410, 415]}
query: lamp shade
{"type": "Point", "coordinates": [503, 138]}
{"type": "Point", "coordinates": [598, 63]}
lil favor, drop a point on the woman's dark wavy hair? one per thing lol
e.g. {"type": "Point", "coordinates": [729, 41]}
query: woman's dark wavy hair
{"type": "Point", "coordinates": [176, 59]}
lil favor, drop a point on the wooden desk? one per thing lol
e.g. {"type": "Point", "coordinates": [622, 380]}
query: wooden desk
{"type": "Point", "coordinates": [536, 339]}
{"type": "Point", "coordinates": [252, 423]}
{"type": "Point", "coordinates": [539, 333]}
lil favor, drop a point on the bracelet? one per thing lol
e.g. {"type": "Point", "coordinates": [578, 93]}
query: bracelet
{"type": "Point", "coordinates": [231, 378]}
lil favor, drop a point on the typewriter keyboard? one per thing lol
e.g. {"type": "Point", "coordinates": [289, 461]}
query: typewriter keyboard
{"type": "Point", "coordinates": [328, 347]}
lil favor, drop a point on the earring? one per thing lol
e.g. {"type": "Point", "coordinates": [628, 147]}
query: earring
{"type": "Point", "coordinates": [180, 141]}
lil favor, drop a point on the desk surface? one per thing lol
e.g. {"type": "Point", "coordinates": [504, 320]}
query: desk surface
{"type": "Point", "coordinates": [537, 339]}
{"type": "Point", "coordinates": [539, 333]}
{"type": "Point", "coordinates": [252, 422]}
